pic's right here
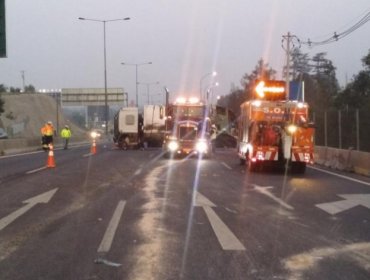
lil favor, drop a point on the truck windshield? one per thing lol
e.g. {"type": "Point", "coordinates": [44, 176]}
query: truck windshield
{"type": "Point", "coordinates": [187, 133]}
{"type": "Point", "coordinates": [187, 111]}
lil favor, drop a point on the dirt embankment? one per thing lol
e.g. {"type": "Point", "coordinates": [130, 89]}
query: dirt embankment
{"type": "Point", "coordinates": [25, 114]}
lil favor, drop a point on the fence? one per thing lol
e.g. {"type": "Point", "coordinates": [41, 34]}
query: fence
{"type": "Point", "coordinates": [343, 129]}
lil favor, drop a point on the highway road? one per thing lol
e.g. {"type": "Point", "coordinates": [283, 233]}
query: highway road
{"type": "Point", "coordinates": [135, 215]}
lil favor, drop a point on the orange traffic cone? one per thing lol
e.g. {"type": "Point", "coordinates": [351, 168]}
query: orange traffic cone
{"type": "Point", "coordinates": [93, 148]}
{"type": "Point", "coordinates": [51, 161]}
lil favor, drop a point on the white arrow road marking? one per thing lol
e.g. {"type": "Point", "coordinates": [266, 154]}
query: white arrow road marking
{"type": "Point", "coordinates": [351, 200]}
{"type": "Point", "coordinates": [112, 227]}
{"type": "Point", "coordinates": [138, 172]}
{"type": "Point", "coordinates": [42, 198]}
{"type": "Point", "coordinates": [265, 191]}
{"type": "Point", "coordinates": [227, 166]}
{"type": "Point", "coordinates": [226, 238]}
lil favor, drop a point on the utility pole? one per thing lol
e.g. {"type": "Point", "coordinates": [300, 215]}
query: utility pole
{"type": "Point", "coordinates": [23, 81]}
{"type": "Point", "coordinates": [289, 40]}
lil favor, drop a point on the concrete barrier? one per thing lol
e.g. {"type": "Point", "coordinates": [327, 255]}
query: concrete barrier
{"type": "Point", "coordinates": [344, 160]}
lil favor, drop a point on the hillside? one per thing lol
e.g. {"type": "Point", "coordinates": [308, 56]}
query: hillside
{"type": "Point", "coordinates": [25, 114]}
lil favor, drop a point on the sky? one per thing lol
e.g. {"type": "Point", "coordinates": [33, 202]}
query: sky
{"type": "Point", "coordinates": [184, 39]}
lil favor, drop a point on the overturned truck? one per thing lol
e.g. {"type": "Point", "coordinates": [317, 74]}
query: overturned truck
{"type": "Point", "coordinates": [135, 130]}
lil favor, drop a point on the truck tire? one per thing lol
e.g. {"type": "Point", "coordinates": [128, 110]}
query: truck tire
{"type": "Point", "coordinates": [298, 167]}
{"type": "Point", "coordinates": [252, 166]}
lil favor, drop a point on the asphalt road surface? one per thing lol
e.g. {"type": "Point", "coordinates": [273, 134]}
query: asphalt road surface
{"type": "Point", "coordinates": [135, 215]}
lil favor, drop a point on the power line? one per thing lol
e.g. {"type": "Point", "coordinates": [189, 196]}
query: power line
{"type": "Point", "coordinates": [339, 35]}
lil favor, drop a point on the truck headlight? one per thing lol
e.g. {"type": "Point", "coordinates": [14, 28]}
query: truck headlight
{"type": "Point", "coordinates": [94, 134]}
{"type": "Point", "coordinates": [173, 146]}
{"type": "Point", "coordinates": [201, 146]}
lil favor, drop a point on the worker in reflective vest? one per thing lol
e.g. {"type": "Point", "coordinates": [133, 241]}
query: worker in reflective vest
{"type": "Point", "coordinates": [47, 132]}
{"type": "Point", "coordinates": [66, 135]}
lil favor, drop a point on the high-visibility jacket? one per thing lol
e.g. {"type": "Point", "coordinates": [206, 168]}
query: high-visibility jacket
{"type": "Point", "coordinates": [47, 130]}
{"type": "Point", "coordinates": [66, 133]}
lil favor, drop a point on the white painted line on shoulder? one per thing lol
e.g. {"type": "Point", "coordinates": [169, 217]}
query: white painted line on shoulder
{"type": "Point", "coordinates": [36, 170]}
{"type": "Point", "coordinates": [112, 227]}
{"type": "Point", "coordinates": [227, 166]}
{"type": "Point", "coordinates": [23, 154]}
{"type": "Point", "coordinates": [87, 155]}
{"type": "Point", "coordinates": [340, 176]}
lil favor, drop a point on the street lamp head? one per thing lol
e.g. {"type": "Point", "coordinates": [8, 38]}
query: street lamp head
{"type": "Point", "coordinates": [126, 18]}
{"type": "Point", "coordinates": [81, 18]}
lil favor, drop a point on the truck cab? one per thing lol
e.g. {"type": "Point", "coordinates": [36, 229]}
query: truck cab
{"type": "Point", "coordinates": [187, 129]}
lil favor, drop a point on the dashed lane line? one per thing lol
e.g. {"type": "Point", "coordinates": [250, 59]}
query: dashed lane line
{"type": "Point", "coordinates": [112, 227]}
{"type": "Point", "coordinates": [36, 170]}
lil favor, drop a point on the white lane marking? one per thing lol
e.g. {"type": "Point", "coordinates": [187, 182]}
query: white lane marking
{"type": "Point", "coordinates": [265, 191]}
{"type": "Point", "coordinates": [351, 200]}
{"type": "Point", "coordinates": [227, 166]}
{"type": "Point", "coordinates": [202, 201]}
{"type": "Point", "coordinates": [23, 154]}
{"type": "Point", "coordinates": [31, 202]}
{"type": "Point", "coordinates": [87, 155]}
{"type": "Point", "coordinates": [226, 238]}
{"type": "Point", "coordinates": [106, 262]}
{"type": "Point", "coordinates": [36, 170]}
{"type": "Point", "coordinates": [137, 172]}
{"type": "Point", "coordinates": [112, 227]}
{"type": "Point", "coordinates": [340, 176]}
{"type": "Point", "coordinates": [38, 152]}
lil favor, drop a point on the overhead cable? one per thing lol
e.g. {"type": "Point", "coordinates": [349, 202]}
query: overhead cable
{"type": "Point", "coordinates": [339, 35]}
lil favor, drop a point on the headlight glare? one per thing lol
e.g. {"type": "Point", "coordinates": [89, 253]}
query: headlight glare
{"type": "Point", "coordinates": [292, 129]}
{"type": "Point", "coordinates": [173, 146]}
{"type": "Point", "coordinates": [201, 146]}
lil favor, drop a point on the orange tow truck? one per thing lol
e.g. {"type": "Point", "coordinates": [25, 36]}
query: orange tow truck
{"type": "Point", "coordinates": [275, 131]}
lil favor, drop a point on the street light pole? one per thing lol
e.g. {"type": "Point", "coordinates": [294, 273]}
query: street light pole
{"type": "Point", "coordinates": [106, 112]}
{"type": "Point", "coordinates": [214, 73]}
{"type": "Point", "coordinates": [136, 75]}
{"type": "Point", "coordinates": [105, 84]}
{"type": "Point", "coordinates": [210, 93]}
{"type": "Point", "coordinates": [136, 87]}
{"type": "Point", "coordinates": [148, 89]}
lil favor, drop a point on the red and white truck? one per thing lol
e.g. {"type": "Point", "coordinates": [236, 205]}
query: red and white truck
{"type": "Point", "coordinates": [275, 131]}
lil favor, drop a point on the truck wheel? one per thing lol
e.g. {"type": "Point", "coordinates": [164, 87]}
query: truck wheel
{"type": "Point", "coordinates": [298, 167]}
{"type": "Point", "coordinates": [252, 166]}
